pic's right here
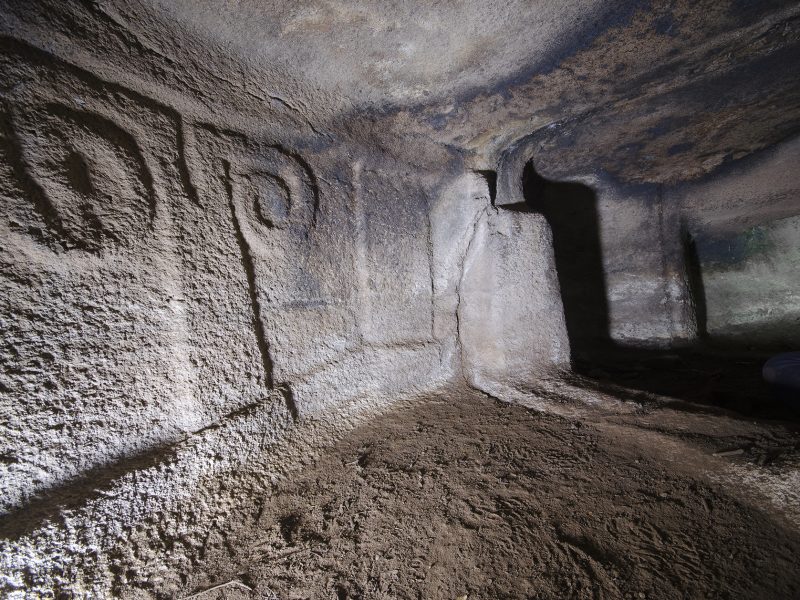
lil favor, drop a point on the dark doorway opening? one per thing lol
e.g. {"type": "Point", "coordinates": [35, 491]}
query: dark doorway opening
{"type": "Point", "coordinates": [571, 212]}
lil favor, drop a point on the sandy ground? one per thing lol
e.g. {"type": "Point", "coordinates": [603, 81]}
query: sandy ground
{"type": "Point", "coordinates": [462, 496]}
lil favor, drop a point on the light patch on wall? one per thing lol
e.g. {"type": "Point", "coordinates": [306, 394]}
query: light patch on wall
{"type": "Point", "coordinates": [750, 282]}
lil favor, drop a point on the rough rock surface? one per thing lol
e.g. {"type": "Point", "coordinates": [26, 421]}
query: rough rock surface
{"type": "Point", "coordinates": [230, 232]}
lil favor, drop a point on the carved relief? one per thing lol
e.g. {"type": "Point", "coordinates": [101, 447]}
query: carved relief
{"type": "Point", "coordinates": [100, 323]}
{"type": "Point", "coordinates": [271, 197]}
{"type": "Point", "coordinates": [92, 184]}
{"type": "Point", "coordinates": [91, 158]}
{"type": "Point", "coordinates": [274, 192]}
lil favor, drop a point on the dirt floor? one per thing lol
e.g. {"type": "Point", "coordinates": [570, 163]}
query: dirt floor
{"type": "Point", "coordinates": [461, 496]}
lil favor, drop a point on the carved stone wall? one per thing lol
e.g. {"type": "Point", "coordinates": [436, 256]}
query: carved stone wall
{"type": "Point", "coordinates": [97, 343]}
{"type": "Point", "coordinates": [743, 236]}
{"type": "Point", "coordinates": [161, 273]}
{"type": "Point", "coordinates": [216, 258]}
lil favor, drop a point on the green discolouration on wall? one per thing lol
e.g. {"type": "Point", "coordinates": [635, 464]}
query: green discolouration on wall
{"type": "Point", "coordinates": [752, 292]}
{"type": "Point", "coordinates": [723, 252]}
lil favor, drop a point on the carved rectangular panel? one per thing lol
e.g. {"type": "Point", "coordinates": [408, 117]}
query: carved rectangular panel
{"type": "Point", "coordinates": [96, 351]}
{"type": "Point", "coordinates": [269, 196]}
{"type": "Point", "coordinates": [396, 277]}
